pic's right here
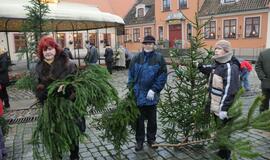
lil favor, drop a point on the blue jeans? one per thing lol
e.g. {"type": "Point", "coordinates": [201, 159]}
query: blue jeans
{"type": "Point", "coordinates": [245, 82]}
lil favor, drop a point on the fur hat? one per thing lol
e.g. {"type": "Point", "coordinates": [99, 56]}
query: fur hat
{"type": "Point", "coordinates": [226, 46]}
{"type": "Point", "coordinates": [149, 39]}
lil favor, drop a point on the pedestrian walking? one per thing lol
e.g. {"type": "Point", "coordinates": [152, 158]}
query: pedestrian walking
{"type": "Point", "coordinates": [109, 58]}
{"type": "Point", "coordinates": [54, 65]}
{"type": "Point", "coordinates": [128, 56]}
{"type": "Point", "coordinates": [224, 84]}
{"type": "Point", "coordinates": [147, 75]}
{"type": "Point", "coordinates": [121, 61]}
{"type": "Point", "coordinates": [4, 79]}
{"type": "Point", "coordinates": [262, 68]}
{"type": "Point", "coordinates": [245, 69]}
{"type": "Point", "coordinates": [92, 54]}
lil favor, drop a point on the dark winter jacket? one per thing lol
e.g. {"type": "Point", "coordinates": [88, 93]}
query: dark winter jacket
{"type": "Point", "coordinates": [47, 73]}
{"type": "Point", "coordinates": [224, 83]}
{"type": "Point", "coordinates": [92, 55]}
{"type": "Point", "coordinates": [263, 68]}
{"type": "Point", "coordinates": [108, 55]}
{"type": "Point", "coordinates": [4, 69]}
{"type": "Point", "coordinates": [147, 71]}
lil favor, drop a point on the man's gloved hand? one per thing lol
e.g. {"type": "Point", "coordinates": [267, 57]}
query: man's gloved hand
{"type": "Point", "coordinates": [150, 95]}
{"type": "Point", "coordinates": [223, 115]}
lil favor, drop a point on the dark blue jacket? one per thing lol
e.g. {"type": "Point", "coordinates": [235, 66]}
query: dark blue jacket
{"type": "Point", "coordinates": [147, 71]}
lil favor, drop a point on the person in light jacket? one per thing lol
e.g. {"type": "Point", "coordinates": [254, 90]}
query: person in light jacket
{"type": "Point", "coordinates": [224, 83]}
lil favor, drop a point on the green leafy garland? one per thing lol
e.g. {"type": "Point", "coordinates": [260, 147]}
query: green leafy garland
{"type": "Point", "coordinates": [27, 82]}
{"type": "Point", "coordinates": [57, 125]}
{"type": "Point", "coordinates": [115, 124]}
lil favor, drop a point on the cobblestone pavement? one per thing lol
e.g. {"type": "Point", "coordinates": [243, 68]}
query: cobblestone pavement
{"type": "Point", "coordinates": [97, 149]}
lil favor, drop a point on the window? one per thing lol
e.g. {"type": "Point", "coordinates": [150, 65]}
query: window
{"type": "Point", "coordinates": [182, 4]}
{"type": "Point", "coordinates": [78, 41]}
{"type": "Point", "coordinates": [147, 31]}
{"type": "Point", "coordinates": [229, 1]}
{"type": "Point", "coordinates": [210, 30]}
{"type": "Point", "coordinates": [252, 27]}
{"type": "Point", "coordinates": [189, 31]}
{"type": "Point", "coordinates": [127, 35]}
{"type": "Point", "coordinates": [160, 33]}
{"type": "Point", "coordinates": [230, 28]}
{"type": "Point", "coordinates": [140, 12]}
{"type": "Point", "coordinates": [136, 35]}
{"type": "Point", "coordinates": [166, 5]}
{"type": "Point", "coordinates": [93, 38]}
{"type": "Point", "coordinates": [61, 39]}
{"type": "Point", "coordinates": [20, 43]}
{"type": "Point", "coordinates": [107, 39]}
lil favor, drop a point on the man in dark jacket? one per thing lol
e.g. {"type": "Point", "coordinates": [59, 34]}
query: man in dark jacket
{"type": "Point", "coordinates": [147, 75]}
{"type": "Point", "coordinates": [109, 58]}
{"type": "Point", "coordinates": [263, 71]}
{"type": "Point", "coordinates": [92, 54]}
{"type": "Point", "coordinates": [4, 79]}
{"type": "Point", "coordinates": [224, 84]}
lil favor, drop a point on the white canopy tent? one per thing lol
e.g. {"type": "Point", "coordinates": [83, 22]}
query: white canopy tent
{"type": "Point", "coordinates": [63, 16]}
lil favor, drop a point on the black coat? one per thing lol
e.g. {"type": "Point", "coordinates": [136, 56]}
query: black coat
{"type": "Point", "coordinates": [4, 69]}
{"type": "Point", "coordinates": [108, 55]}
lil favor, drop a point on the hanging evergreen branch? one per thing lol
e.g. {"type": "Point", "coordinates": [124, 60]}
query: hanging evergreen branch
{"type": "Point", "coordinates": [115, 124]}
{"type": "Point", "coordinates": [57, 124]}
{"type": "Point", "coordinates": [27, 82]}
{"type": "Point", "coordinates": [239, 123]}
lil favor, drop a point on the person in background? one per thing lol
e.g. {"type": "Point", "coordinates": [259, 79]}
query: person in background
{"type": "Point", "coordinates": [147, 75]}
{"type": "Point", "coordinates": [245, 69]}
{"type": "Point", "coordinates": [92, 54]}
{"type": "Point", "coordinates": [224, 84]}
{"type": "Point", "coordinates": [54, 65]}
{"type": "Point", "coordinates": [128, 56]}
{"type": "Point", "coordinates": [68, 53]}
{"type": "Point", "coordinates": [121, 61]}
{"type": "Point", "coordinates": [262, 68]}
{"type": "Point", "coordinates": [4, 78]}
{"type": "Point", "coordinates": [109, 58]}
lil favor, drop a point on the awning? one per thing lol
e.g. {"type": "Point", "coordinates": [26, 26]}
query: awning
{"type": "Point", "coordinates": [63, 16]}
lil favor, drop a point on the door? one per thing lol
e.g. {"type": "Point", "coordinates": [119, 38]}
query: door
{"type": "Point", "coordinates": [175, 33]}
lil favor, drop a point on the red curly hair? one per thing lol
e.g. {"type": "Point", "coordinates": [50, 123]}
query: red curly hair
{"type": "Point", "coordinates": [44, 43]}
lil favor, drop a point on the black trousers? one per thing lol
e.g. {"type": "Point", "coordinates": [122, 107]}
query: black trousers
{"type": "Point", "coordinates": [148, 113]}
{"type": "Point", "coordinates": [109, 66]}
{"type": "Point", "coordinates": [265, 103]}
{"type": "Point", "coordinates": [223, 153]}
{"type": "Point", "coordinates": [4, 95]}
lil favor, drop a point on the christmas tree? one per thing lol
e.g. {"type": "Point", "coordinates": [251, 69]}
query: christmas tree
{"type": "Point", "coordinates": [182, 108]}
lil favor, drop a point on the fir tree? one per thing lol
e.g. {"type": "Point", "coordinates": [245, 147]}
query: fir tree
{"type": "Point", "coordinates": [182, 108]}
{"type": "Point", "coordinates": [33, 26]}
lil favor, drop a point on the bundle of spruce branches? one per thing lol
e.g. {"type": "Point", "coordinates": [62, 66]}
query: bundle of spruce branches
{"type": "Point", "coordinates": [115, 124]}
{"type": "Point", "coordinates": [239, 123]}
{"type": "Point", "coordinates": [57, 125]}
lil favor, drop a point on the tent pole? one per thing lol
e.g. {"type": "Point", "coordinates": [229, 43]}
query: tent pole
{"type": "Point", "coordinates": [8, 49]}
